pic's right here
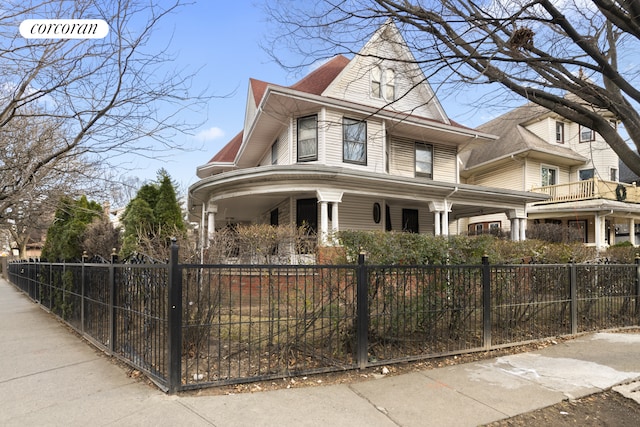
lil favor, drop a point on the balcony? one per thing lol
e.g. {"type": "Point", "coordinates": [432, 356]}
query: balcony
{"type": "Point", "coordinates": [589, 189]}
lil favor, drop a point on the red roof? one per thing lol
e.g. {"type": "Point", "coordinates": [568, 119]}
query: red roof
{"type": "Point", "coordinates": [228, 153]}
{"type": "Point", "coordinates": [315, 83]}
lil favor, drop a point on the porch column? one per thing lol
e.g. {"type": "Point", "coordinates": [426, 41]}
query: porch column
{"type": "Point", "coordinates": [445, 220]}
{"type": "Point", "coordinates": [335, 227]}
{"type": "Point", "coordinates": [598, 225]}
{"type": "Point", "coordinates": [632, 231]}
{"type": "Point", "coordinates": [440, 217]}
{"type": "Point", "coordinates": [324, 198]}
{"type": "Point", "coordinates": [324, 222]}
{"type": "Point", "coordinates": [515, 229]}
{"type": "Point", "coordinates": [518, 218]}
{"type": "Point", "coordinates": [212, 210]}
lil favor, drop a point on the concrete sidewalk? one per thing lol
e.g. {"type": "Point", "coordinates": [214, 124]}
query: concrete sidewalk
{"type": "Point", "coordinates": [48, 376]}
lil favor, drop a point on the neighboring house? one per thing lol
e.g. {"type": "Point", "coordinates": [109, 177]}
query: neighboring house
{"type": "Point", "coordinates": [540, 151]}
{"type": "Point", "coordinates": [358, 144]}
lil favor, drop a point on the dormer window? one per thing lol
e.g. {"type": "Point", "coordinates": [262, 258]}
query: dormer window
{"type": "Point", "coordinates": [383, 83]}
{"type": "Point", "coordinates": [559, 132]}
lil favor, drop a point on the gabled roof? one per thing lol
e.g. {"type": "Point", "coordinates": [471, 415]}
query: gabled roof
{"type": "Point", "coordinates": [314, 83]}
{"type": "Point", "coordinates": [228, 153]}
{"type": "Point", "coordinates": [515, 139]}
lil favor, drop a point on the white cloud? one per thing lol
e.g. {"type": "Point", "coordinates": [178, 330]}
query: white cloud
{"type": "Point", "coordinates": [209, 134]}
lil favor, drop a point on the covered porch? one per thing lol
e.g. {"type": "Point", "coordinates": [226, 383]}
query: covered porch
{"type": "Point", "coordinates": [330, 199]}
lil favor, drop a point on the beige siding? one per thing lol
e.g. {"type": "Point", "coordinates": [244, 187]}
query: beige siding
{"type": "Point", "coordinates": [334, 143]}
{"type": "Point", "coordinates": [402, 159]}
{"type": "Point", "coordinates": [509, 176]}
{"type": "Point", "coordinates": [413, 93]}
{"type": "Point", "coordinates": [425, 218]}
{"type": "Point", "coordinates": [356, 213]}
{"type": "Point", "coordinates": [534, 173]}
{"type": "Point", "coordinates": [444, 163]}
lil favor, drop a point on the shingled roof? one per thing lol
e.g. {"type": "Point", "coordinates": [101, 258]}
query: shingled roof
{"type": "Point", "coordinates": [314, 83]}
{"type": "Point", "coordinates": [514, 138]}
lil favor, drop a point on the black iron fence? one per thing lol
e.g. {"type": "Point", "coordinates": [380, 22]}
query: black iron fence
{"type": "Point", "coordinates": [191, 326]}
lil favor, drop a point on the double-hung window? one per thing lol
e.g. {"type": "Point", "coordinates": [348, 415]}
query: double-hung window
{"type": "Point", "coordinates": [376, 82]}
{"type": "Point", "coordinates": [549, 176]}
{"type": "Point", "coordinates": [389, 85]}
{"type": "Point", "coordinates": [560, 132]}
{"type": "Point", "coordinates": [308, 139]}
{"type": "Point", "coordinates": [383, 83]}
{"type": "Point", "coordinates": [424, 160]}
{"type": "Point", "coordinates": [586, 134]}
{"type": "Point", "coordinates": [354, 141]}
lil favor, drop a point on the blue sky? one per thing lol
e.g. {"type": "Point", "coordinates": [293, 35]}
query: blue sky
{"type": "Point", "coordinates": [222, 40]}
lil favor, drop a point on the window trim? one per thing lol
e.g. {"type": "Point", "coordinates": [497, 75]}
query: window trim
{"type": "Point", "coordinates": [592, 134]}
{"type": "Point", "coordinates": [309, 158]}
{"type": "Point", "coordinates": [592, 170]}
{"type": "Point", "coordinates": [613, 174]}
{"type": "Point", "coordinates": [417, 144]}
{"type": "Point", "coordinates": [389, 83]}
{"type": "Point", "coordinates": [354, 122]}
{"type": "Point", "coordinates": [376, 82]}
{"type": "Point", "coordinates": [550, 168]}
{"type": "Point", "coordinates": [559, 132]}
{"type": "Point", "coordinates": [382, 80]}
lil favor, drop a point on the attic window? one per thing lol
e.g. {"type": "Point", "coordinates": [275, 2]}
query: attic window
{"type": "Point", "coordinates": [383, 83]}
{"type": "Point", "coordinates": [376, 79]}
{"type": "Point", "coordinates": [389, 85]}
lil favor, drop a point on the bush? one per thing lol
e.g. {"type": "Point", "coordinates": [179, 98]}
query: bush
{"type": "Point", "coordinates": [406, 248]}
{"type": "Point", "coordinates": [554, 233]}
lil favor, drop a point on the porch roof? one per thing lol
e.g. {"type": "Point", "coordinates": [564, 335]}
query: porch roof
{"type": "Point", "coordinates": [245, 193]}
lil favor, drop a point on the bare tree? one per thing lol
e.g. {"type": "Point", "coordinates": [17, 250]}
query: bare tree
{"type": "Point", "coordinates": [86, 101]}
{"type": "Point", "coordinates": [541, 50]}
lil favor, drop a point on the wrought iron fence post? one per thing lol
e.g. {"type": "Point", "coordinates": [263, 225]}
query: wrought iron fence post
{"type": "Point", "coordinates": [637, 286]}
{"type": "Point", "coordinates": [486, 302]}
{"type": "Point", "coordinates": [174, 341]}
{"type": "Point", "coordinates": [362, 314]}
{"type": "Point", "coordinates": [573, 295]}
{"type": "Point", "coordinates": [112, 302]}
{"type": "Point", "coordinates": [82, 291]}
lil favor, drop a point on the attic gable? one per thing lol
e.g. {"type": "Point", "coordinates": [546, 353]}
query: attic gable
{"type": "Point", "coordinates": [514, 139]}
{"type": "Point", "coordinates": [385, 52]}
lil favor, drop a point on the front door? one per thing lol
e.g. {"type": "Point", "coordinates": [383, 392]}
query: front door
{"type": "Point", "coordinates": [307, 214]}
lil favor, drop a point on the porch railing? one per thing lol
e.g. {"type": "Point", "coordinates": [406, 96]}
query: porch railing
{"type": "Point", "coordinates": [590, 189]}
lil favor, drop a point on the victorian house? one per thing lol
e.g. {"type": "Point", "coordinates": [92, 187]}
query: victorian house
{"type": "Point", "coordinates": [357, 144]}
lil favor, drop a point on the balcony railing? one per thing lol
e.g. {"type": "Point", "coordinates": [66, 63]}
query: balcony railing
{"type": "Point", "coordinates": [590, 189]}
